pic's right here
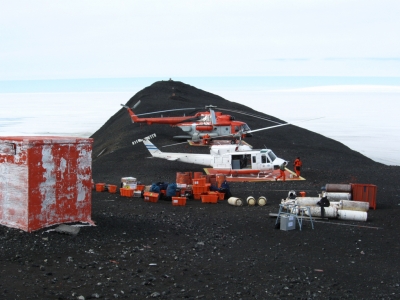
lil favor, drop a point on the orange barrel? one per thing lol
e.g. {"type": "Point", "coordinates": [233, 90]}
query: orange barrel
{"type": "Point", "coordinates": [220, 178]}
{"type": "Point", "coordinates": [208, 178]}
{"type": "Point", "coordinates": [213, 181]}
{"type": "Point", "coordinates": [302, 194]}
{"type": "Point", "coordinates": [197, 175]}
{"type": "Point", "coordinates": [191, 177]}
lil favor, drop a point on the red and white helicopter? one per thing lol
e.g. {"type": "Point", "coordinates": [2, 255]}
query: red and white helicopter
{"type": "Point", "coordinates": [225, 159]}
{"type": "Point", "coordinates": [204, 126]}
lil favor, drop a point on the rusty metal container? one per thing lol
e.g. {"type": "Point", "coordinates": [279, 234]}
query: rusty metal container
{"type": "Point", "coordinates": [365, 193]}
{"type": "Point", "coordinates": [45, 181]}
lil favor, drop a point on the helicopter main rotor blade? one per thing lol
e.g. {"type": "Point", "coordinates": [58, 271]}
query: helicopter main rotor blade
{"type": "Point", "coordinates": [161, 111]}
{"type": "Point", "coordinates": [265, 128]}
{"type": "Point", "coordinates": [251, 115]}
{"type": "Point", "coordinates": [174, 144]}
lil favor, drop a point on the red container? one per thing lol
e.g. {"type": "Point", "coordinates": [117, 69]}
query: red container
{"type": "Point", "coordinates": [178, 201]}
{"type": "Point", "coordinates": [100, 187]}
{"type": "Point", "coordinates": [365, 193]}
{"type": "Point", "coordinates": [220, 178]}
{"type": "Point", "coordinates": [221, 196]}
{"type": "Point", "coordinates": [184, 177]}
{"type": "Point", "coordinates": [126, 192]}
{"type": "Point", "coordinates": [45, 180]}
{"type": "Point", "coordinates": [302, 194]}
{"type": "Point", "coordinates": [197, 175]}
{"type": "Point", "coordinates": [199, 189]}
{"type": "Point", "coordinates": [199, 181]}
{"type": "Point", "coordinates": [140, 187]}
{"type": "Point", "coordinates": [112, 188]}
{"type": "Point", "coordinates": [150, 197]}
{"type": "Point", "coordinates": [213, 198]}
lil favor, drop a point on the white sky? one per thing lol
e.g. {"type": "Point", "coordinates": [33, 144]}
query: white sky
{"type": "Point", "coordinates": [105, 39]}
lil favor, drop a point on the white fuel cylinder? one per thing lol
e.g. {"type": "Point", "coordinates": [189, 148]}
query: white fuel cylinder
{"type": "Point", "coordinates": [251, 201]}
{"type": "Point", "coordinates": [338, 188]}
{"type": "Point", "coordinates": [330, 212]}
{"type": "Point", "coordinates": [337, 204]}
{"type": "Point", "coordinates": [307, 201]}
{"type": "Point", "coordinates": [338, 196]}
{"type": "Point", "coordinates": [352, 215]}
{"type": "Point", "coordinates": [235, 201]}
{"type": "Point", "coordinates": [354, 205]}
{"type": "Point", "coordinates": [262, 201]}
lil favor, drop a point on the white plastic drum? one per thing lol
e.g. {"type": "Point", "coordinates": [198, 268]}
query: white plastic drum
{"type": "Point", "coordinates": [352, 215]}
{"type": "Point", "coordinates": [338, 188]}
{"type": "Point", "coordinates": [354, 205]}
{"type": "Point", "coordinates": [307, 201]}
{"type": "Point", "coordinates": [330, 212]}
{"type": "Point", "coordinates": [338, 196]}
{"type": "Point", "coordinates": [251, 201]}
{"type": "Point", "coordinates": [262, 201]}
{"type": "Point", "coordinates": [235, 201]}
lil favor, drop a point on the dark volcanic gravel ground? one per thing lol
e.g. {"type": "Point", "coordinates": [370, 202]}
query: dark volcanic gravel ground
{"type": "Point", "coordinates": [144, 250]}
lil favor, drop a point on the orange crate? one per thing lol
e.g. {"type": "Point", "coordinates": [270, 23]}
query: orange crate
{"type": "Point", "coordinates": [150, 197]}
{"type": "Point", "coordinates": [199, 181]}
{"type": "Point", "coordinates": [163, 192]}
{"type": "Point", "coordinates": [126, 192]}
{"type": "Point", "coordinates": [178, 201]}
{"type": "Point", "coordinates": [196, 196]}
{"type": "Point", "coordinates": [140, 187]}
{"type": "Point", "coordinates": [198, 189]}
{"type": "Point", "coordinates": [112, 188]}
{"type": "Point", "coordinates": [213, 198]}
{"type": "Point", "coordinates": [221, 196]}
{"type": "Point", "coordinates": [100, 187]}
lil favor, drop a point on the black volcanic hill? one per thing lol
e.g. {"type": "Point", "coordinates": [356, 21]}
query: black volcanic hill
{"type": "Point", "coordinates": [114, 156]}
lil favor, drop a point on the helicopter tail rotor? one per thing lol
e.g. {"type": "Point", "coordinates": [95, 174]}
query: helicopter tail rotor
{"type": "Point", "coordinates": [151, 136]}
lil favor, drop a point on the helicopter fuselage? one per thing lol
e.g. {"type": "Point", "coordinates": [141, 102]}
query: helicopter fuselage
{"type": "Point", "coordinates": [208, 124]}
{"type": "Point", "coordinates": [226, 158]}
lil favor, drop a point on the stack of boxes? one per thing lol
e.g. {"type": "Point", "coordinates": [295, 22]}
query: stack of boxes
{"type": "Point", "coordinates": [130, 188]}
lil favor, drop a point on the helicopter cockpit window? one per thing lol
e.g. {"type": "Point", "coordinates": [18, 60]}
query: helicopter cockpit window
{"type": "Point", "coordinates": [272, 155]}
{"type": "Point", "coordinates": [265, 159]}
{"type": "Point", "coordinates": [236, 128]}
{"type": "Point", "coordinates": [245, 127]}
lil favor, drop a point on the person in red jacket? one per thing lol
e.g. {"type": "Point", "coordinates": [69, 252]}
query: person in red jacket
{"type": "Point", "coordinates": [297, 166]}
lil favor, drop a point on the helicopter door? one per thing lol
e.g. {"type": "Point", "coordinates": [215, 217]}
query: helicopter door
{"type": "Point", "coordinates": [264, 162]}
{"type": "Point", "coordinates": [222, 162]}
